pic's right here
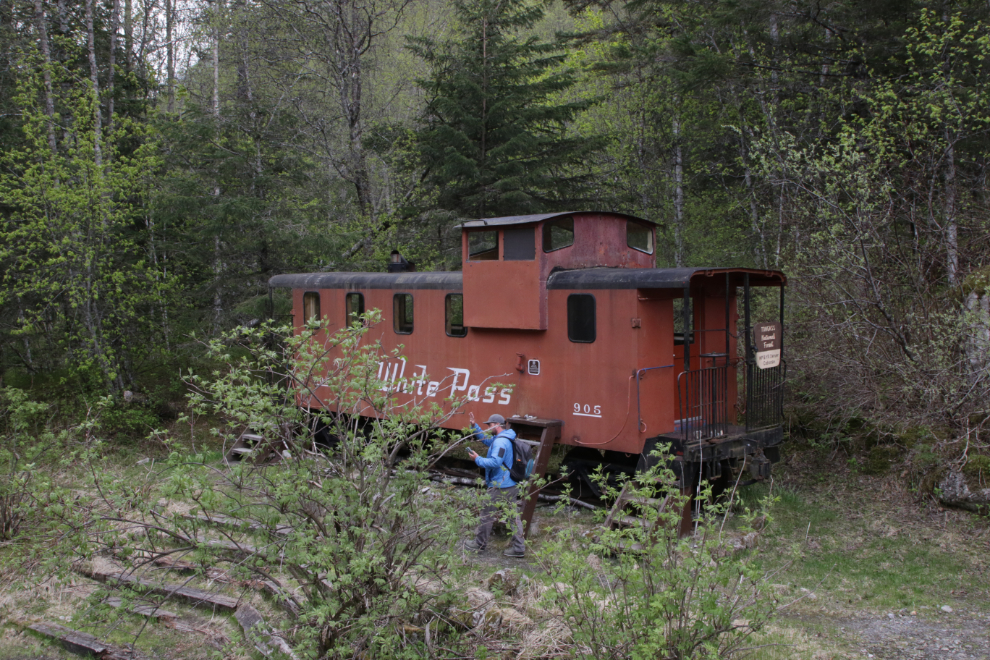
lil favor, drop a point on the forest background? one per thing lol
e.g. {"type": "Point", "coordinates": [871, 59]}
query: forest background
{"type": "Point", "coordinates": [162, 159]}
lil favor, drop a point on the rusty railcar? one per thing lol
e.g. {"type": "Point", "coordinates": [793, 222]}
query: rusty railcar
{"type": "Point", "coordinates": [594, 343]}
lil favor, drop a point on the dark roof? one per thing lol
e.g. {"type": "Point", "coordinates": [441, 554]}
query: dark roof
{"type": "Point", "coordinates": [581, 278]}
{"type": "Point", "coordinates": [523, 219]}
{"type": "Point", "coordinates": [654, 278]}
{"type": "Point", "coordinates": [432, 280]}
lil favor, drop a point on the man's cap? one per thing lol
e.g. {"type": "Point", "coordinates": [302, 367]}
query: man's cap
{"type": "Point", "coordinates": [496, 419]}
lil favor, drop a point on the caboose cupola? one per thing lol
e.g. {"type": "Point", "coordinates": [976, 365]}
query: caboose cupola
{"type": "Point", "coordinates": [507, 261]}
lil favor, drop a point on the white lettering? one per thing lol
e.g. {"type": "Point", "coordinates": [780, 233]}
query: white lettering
{"type": "Point", "coordinates": [420, 378]}
{"type": "Point", "coordinates": [473, 391]}
{"type": "Point", "coordinates": [489, 395]}
{"type": "Point", "coordinates": [454, 387]}
{"type": "Point", "coordinates": [432, 388]}
{"type": "Point", "coordinates": [504, 396]}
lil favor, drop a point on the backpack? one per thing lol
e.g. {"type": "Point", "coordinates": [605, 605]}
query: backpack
{"type": "Point", "coordinates": [522, 461]}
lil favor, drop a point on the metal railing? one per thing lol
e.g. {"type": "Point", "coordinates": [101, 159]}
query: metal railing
{"type": "Point", "coordinates": [764, 396]}
{"type": "Point", "coordinates": [703, 403]}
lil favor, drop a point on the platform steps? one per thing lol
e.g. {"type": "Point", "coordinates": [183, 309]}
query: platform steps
{"type": "Point", "coordinates": [254, 447]}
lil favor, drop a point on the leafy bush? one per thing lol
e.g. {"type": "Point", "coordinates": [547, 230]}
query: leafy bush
{"type": "Point", "coordinates": [348, 511]}
{"type": "Point", "coordinates": [659, 596]}
{"type": "Point", "coordinates": [18, 454]}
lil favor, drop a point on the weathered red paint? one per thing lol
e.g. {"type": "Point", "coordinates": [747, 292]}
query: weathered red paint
{"type": "Point", "coordinates": [611, 394]}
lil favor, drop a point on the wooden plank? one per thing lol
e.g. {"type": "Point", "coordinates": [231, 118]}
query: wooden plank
{"type": "Point", "coordinates": [172, 620]}
{"type": "Point", "coordinates": [144, 610]}
{"type": "Point", "coordinates": [549, 436]}
{"type": "Point", "coordinates": [196, 597]}
{"type": "Point", "coordinates": [220, 520]}
{"type": "Point", "coordinates": [73, 640]}
{"type": "Point", "coordinates": [257, 632]}
{"type": "Point", "coordinates": [616, 511]}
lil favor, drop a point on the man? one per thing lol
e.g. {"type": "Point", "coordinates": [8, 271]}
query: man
{"type": "Point", "coordinates": [502, 490]}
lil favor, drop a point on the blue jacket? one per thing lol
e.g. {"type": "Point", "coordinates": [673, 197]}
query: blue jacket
{"type": "Point", "coordinates": [499, 457]}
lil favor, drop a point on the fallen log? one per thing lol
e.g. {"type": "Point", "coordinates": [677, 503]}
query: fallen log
{"type": "Point", "coordinates": [196, 597]}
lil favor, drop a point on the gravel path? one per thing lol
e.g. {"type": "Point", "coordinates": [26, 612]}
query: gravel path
{"type": "Point", "coordinates": [925, 636]}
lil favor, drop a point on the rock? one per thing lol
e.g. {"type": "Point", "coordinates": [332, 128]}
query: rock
{"type": "Point", "coordinates": [947, 609]}
{"type": "Point", "coordinates": [488, 620]}
{"type": "Point", "coordinates": [954, 491]}
{"type": "Point", "coordinates": [505, 579]}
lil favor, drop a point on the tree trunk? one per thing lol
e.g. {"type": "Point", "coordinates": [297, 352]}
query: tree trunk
{"type": "Point", "coordinates": [95, 78]}
{"type": "Point", "coordinates": [169, 55]}
{"type": "Point", "coordinates": [111, 74]}
{"type": "Point", "coordinates": [678, 193]}
{"type": "Point", "coordinates": [217, 243]}
{"type": "Point", "coordinates": [951, 227]}
{"type": "Point", "coordinates": [39, 13]}
{"type": "Point", "coordinates": [128, 34]}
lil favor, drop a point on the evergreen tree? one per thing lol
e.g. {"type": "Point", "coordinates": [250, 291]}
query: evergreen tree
{"type": "Point", "coordinates": [496, 141]}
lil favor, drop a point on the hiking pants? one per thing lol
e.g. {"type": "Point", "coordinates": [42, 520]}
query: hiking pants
{"type": "Point", "coordinates": [498, 500]}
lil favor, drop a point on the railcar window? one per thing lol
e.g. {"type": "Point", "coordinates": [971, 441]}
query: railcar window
{"type": "Point", "coordinates": [354, 302]}
{"type": "Point", "coordinates": [402, 313]}
{"type": "Point", "coordinates": [311, 306]}
{"type": "Point", "coordinates": [639, 237]}
{"type": "Point", "coordinates": [581, 318]}
{"type": "Point", "coordinates": [520, 243]}
{"type": "Point", "coordinates": [679, 322]}
{"type": "Point", "coordinates": [455, 315]}
{"type": "Point", "coordinates": [558, 234]}
{"type": "Point", "coordinates": [483, 246]}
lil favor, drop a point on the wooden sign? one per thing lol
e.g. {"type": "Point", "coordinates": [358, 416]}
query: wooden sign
{"type": "Point", "coordinates": [767, 340]}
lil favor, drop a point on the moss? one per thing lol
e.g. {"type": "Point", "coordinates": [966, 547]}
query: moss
{"type": "Point", "coordinates": [977, 472]}
{"type": "Point", "coordinates": [916, 435]}
{"type": "Point", "coordinates": [977, 282]}
{"type": "Point", "coordinates": [880, 459]}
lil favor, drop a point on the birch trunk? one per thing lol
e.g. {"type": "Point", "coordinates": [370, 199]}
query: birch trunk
{"type": "Point", "coordinates": [678, 194]}
{"type": "Point", "coordinates": [951, 227]}
{"type": "Point", "coordinates": [111, 74]}
{"type": "Point", "coordinates": [94, 74]}
{"type": "Point", "coordinates": [39, 13]}
{"type": "Point", "coordinates": [217, 244]}
{"type": "Point", "coordinates": [169, 55]}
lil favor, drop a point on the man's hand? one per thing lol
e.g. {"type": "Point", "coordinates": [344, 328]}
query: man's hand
{"type": "Point", "coordinates": [472, 454]}
{"type": "Point", "coordinates": [471, 418]}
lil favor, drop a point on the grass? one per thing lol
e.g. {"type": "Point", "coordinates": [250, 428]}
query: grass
{"type": "Point", "coordinates": [839, 545]}
{"type": "Point", "coordinates": [868, 546]}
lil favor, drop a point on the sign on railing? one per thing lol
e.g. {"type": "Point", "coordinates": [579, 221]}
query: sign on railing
{"type": "Point", "coordinates": [766, 339]}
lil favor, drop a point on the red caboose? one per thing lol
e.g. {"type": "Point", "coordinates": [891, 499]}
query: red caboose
{"type": "Point", "coordinates": [599, 346]}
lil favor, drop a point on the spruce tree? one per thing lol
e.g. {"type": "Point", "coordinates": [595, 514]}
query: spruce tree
{"type": "Point", "coordinates": [495, 141]}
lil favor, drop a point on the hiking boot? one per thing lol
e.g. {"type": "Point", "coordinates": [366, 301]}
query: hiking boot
{"type": "Point", "coordinates": [472, 546]}
{"type": "Point", "coordinates": [514, 554]}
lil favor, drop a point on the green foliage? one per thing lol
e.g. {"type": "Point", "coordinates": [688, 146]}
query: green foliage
{"type": "Point", "coordinates": [346, 510]}
{"type": "Point", "coordinates": [495, 142]}
{"type": "Point", "coordinates": [72, 263]}
{"type": "Point", "coordinates": [977, 472]}
{"type": "Point", "coordinates": [40, 513]}
{"type": "Point", "coordinates": [661, 596]}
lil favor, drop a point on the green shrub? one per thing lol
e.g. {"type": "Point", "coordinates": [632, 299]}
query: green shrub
{"type": "Point", "coordinates": [660, 596]}
{"type": "Point", "coordinates": [367, 533]}
{"type": "Point", "coordinates": [977, 472]}
{"type": "Point", "coordinates": [880, 459]}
